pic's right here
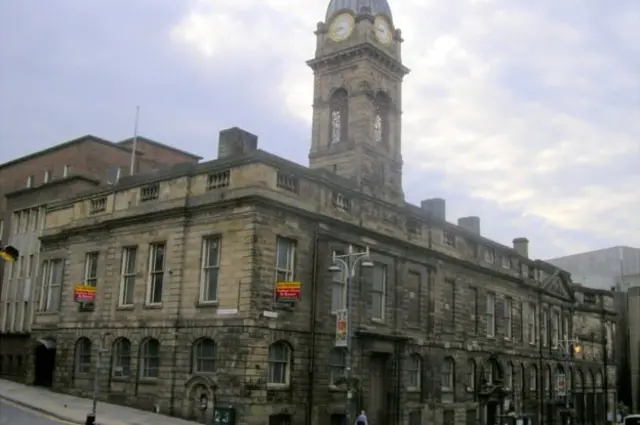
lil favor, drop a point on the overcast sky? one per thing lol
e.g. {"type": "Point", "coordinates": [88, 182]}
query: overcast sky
{"type": "Point", "coordinates": [525, 113]}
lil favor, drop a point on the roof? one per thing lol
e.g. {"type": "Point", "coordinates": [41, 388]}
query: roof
{"type": "Point", "coordinates": [160, 145]}
{"type": "Point", "coordinates": [64, 145]}
{"type": "Point", "coordinates": [356, 6]}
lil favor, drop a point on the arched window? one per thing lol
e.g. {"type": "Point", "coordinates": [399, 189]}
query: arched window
{"type": "Point", "coordinates": [579, 380]}
{"type": "Point", "coordinates": [339, 111]}
{"type": "Point", "coordinates": [588, 385]}
{"type": "Point", "coordinates": [548, 378]}
{"type": "Point", "coordinates": [279, 363]}
{"type": "Point", "coordinates": [598, 384]}
{"type": "Point", "coordinates": [448, 375]}
{"type": "Point", "coordinates": [204, 356]}
{"type": "Point", "coordinates": [121, 357]}
{"type": "Point", "coordinates": [150, 358]}
{"type": "Point", "coordinates": [82, 357]}
{"type": "Point", "coordinates": [414, 371]}
{"type": "Point", "coordinates": [471, 377]}
{"type": "Point", "coordinates": [381, 118]}
{"type": "Point", "coordinates": [492, 372]}
{"type": "Point", "coordinates": [533, 378]}
{"type": "Point", "coordinates": [337, 364]}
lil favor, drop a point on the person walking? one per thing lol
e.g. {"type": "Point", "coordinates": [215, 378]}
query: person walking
{"type": "Point", "coordinates": [362, 419]}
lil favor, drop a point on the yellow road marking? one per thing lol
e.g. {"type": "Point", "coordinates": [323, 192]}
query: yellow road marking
{"type": "Point", "coordinates": [35, 412]}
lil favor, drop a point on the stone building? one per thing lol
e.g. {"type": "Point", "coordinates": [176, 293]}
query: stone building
{"type": "Point", "coordinates": [27, 186]}
{"type": "Point", "coordinates": [449, 327]}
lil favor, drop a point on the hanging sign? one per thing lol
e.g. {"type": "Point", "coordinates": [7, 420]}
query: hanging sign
{"type": "Point", "coordinates": [342, 324]}
{"type": "Point", "coordinates": [288, 291]}
{"type": "Point", "coordinates": [84, 294]}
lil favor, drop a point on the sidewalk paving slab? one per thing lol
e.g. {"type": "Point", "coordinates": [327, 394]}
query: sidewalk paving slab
{"type": "Point", "coordinates": [75, 409]}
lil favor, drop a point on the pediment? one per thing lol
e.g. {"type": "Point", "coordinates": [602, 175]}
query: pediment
{"type": "Point", "coordinates": [558, 285]}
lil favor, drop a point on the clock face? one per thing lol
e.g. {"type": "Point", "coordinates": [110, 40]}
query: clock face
{"type": "Point", "coordinates": [342, 27]}
{"type": "Point", "coordinates": [382, 30]}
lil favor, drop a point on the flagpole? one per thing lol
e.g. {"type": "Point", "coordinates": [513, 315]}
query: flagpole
{"type": "Point", "coordinates": [135, 143]}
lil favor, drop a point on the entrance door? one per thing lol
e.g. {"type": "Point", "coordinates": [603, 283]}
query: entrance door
{"type": "Point", "coordinates": [377, 413]}
{"type": "Point", "coordinates": [45, 363]}
{"type": "Point", "coordinates": [492, 413]}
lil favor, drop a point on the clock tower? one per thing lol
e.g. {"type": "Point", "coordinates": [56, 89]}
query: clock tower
{"type": "Point", "coordinates": [358, 76]}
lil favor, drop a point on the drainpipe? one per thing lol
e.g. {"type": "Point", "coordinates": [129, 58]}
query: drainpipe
{"type": "Point", "coordinates": [178, 321]}
{"type": "Point", "coordinates": [312, 327]}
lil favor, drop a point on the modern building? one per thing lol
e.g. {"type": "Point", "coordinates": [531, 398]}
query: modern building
{"type": "Point", "coordinates": [28, 185]}
{"type": "Point", "coordinates": [215, 283]}
{"type": "Point", "coordinates": [602, 268]}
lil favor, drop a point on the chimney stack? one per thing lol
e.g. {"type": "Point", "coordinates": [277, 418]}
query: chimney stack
{"type": "Point", "coordinates": [471, 223]}
{"type": "Point", "coordinates": [236, 141]}
{"type": "Point", "coordinates": [436, 206]}
{"type": "Point", "coordinates": [522, 246]}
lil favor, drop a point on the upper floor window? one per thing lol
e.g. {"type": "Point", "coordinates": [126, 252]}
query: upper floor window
{"type": "Point", "coordinates": [489, 255]}
{"type": "Point", "coordinates": [51, 289]}
{"type": "Point", "coordinates": [47, 176]}
{"type": "Point", "coordinates": [29, 181]}
{"type": "Point", "coordinates": [339, 288]}
{"type": "Point", "coordinates": [337, 365]}
{"type": "Point", "coordinates": [91, 269]}
{"type": "Point", "coordinates": [414, 371]}
{"type": "Point", "coordinates": [339, 107]}
{"type": "Point", "coordinates": [210, 269]}
{"type": "Point", "coordinates": [448, 374]}
{"type": "Point", "coordinates": [285, 260]}
{"type": "Point", "coordinates": [491, 315]}
{"type": "Point", "coordinates": [532, 327]}
{"type": "Point", "coordinates": [65, 171]}
{"type": "Point", "coordinates": [155, 283]}
{"type": "Point", "coordinates": [545, 326]}
{"type": "Point", "coordinates": [508, 318]}
{"type": "Point", "coordinates": [128, 275]}
{"type": "Point", "coordinates": [379, 291]}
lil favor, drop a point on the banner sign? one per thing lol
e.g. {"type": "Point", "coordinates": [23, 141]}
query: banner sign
{"type": "Point", "coordinates": [84, 294]}
{"type": "Point", "coordinates": [561, 384]}
{"type": "Point", "coordinates": [342, 318]}
{"type": "Point", "coordinates": [288, 291]}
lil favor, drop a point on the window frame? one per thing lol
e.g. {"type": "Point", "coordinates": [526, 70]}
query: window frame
{"type": "Point", "coordinates": [337, 365]}
{"type": "Point", "coordinates": [380, 292]}
{"type": "Point", "coordinates": [414, 372]}
{"type": "Point", "coordinates": [128, 277]}
{"type": "Point", "coordinates": [147, 357]}
{"type": "Point", "coordinates": [82, 357]}
{"type": "Point", "coordinates": [198, 358]}
{"type": "Point", "coordinates": [207, 268]}
{"type": "Point", "coordinates": [447, 375]}
{"type": "Point", "coordinates": [490, 315]}
{"type": "Point", "coordinates": [122, 355]}
{"type": "Point", "coordinates": [284, 362]}
{"type": "Point", "coordinates": [154, 275]}
{"type": "Point", "coordinates": [508, 318]}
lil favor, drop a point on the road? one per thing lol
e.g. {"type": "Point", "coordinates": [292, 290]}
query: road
{"type": "Point", "coordinates": [12, 414]}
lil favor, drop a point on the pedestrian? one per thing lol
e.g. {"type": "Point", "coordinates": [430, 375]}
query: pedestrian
{"type": "Point", "coordinates": [362, 419]}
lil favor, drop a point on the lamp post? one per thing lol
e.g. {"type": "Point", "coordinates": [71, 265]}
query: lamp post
{"type": "Point", "coordinates": [347, 264]}
{"type": "Point", "coordinates": [568, 346]}
{"type": "Point", "coordinates": [91, 417]}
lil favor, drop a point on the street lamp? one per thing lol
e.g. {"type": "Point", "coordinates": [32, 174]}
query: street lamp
{"type": "Point", "coordinates": [347, 264]}
{"type": "Point", "coordinates": [9, 253]}
{"type": "Point", "coordinates": [91, 417]}
{"type": "Point", "coordinates": [568, 345]}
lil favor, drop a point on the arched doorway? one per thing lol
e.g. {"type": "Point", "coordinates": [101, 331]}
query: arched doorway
{"type": "Point", "coordinates": [44, 362]}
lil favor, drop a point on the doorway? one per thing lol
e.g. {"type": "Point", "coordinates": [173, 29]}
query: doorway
{"type": "Point", "coordinates": [378, 410]}
{"type": "Point", "coordinates": [44, 363]}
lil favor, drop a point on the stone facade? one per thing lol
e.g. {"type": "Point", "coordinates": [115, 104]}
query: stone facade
{"type": "Point", "coordinates": [447, 324]}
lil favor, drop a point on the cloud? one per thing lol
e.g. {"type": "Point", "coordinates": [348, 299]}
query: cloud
{"type": "Point", "coordinates": [533, 107]}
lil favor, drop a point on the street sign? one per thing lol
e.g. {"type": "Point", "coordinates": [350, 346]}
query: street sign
{"type": "Point", "coordinates": [342, 324]}
{"type": "Point", "coordinates": [288, 291]}
{"type": "Point", "coordinates": [84, 294]}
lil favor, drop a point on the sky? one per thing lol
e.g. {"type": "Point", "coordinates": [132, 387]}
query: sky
{"type": "Point", "coordinates": [525, 113]}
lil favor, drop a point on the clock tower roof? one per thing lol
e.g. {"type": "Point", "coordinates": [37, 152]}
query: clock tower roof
{"type": "Point", "coordinates": [372, 7]}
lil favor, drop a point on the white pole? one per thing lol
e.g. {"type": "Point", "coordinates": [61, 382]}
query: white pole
{"type": "Point", "coordinates": [135, 143]}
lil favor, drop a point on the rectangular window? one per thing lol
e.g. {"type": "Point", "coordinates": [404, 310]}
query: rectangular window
{"type": "Point", "coordinates": [65, 171]}
{"type": "Point", "coordinates": [379, 291]}
{"type": "Point", "coordinates": [29, 181]}
{"type": "Point", "coordinates": [532, 325]}
{"type": "Point", "coordinates": [555, 328]}
{"type": "Point", "coordinates": [491, 315]}
{"type": "Point", "coordinates": [338, 287]}
{"type": "Point", "coordinates": [31, 264]}
{"type": "Point", "coordinates": [285, 260]}
{"type": "Point", "coordinates": [489, 255]}
{"type": "Point", "coordinates": [21, 267]}
{"type": "Point", "coordinates": [508, 318]}
{"type": "Point", "coordinates": [449, 239]}
{"type": "Point", "coordinates": [127, 276]}
{"type": "Point", "coordinates": [449, 306]}
{"type": "Point", "coordinates": [51, 288]}
{"type": "Point", "coordinates": [475, 312]}
{"type": "Point", "coordinates": [210, 269]}
{"type": "Point", "coordinates": [36, 219]}
{"type": "Point", "coordinates": [544, 326]}
{"type": "Point", "coordinates": [414, 308]}
{"type": "Point", "coordinates": [155, 285]}
{"type": "Point", "coordinates": [565, 333]}
{"type": "Point", "coordinates": [91, 269]}
{"type": "Point", "coordinates": [47, 176]}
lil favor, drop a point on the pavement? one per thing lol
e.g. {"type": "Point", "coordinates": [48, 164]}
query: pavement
{"type": "Point", "coordinates": [23, 404]}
